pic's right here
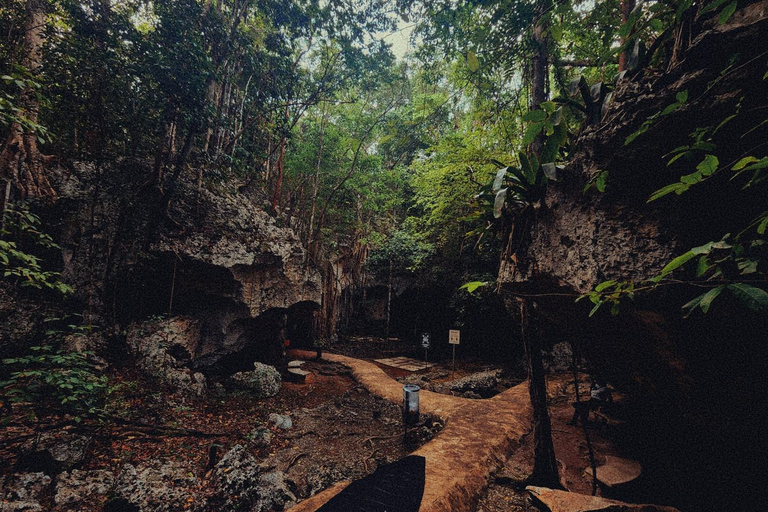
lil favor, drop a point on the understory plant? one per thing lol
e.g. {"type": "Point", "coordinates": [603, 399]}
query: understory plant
{"type": "Point", "coordinates": [55, 381]}
{"type": "Point", "coordinates": [20, 238]}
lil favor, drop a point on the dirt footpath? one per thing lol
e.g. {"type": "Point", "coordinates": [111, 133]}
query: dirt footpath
{"type": "Point", "coordinates": [478, 437]}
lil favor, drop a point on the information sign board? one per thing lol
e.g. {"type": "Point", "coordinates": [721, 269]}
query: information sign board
{"type": "Point", "coordinates": [454, 336]}
{"type": "Point", "coordinates": [425, 339]}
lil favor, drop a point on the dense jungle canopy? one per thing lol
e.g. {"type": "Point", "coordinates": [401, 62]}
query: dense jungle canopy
{"type": "Point", "coordinates": [306, 106]}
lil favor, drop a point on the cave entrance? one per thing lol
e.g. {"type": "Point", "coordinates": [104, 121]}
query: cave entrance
{"type": "Point", "coordinates": [263, 339]}
{"type": "Point", "coordinates": [300, 325]}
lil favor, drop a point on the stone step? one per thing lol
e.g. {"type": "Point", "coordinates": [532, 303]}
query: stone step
{"type": "Point", "coordinates": [299, 376]}
{"type": "Point", "coordinates": [616, 471]}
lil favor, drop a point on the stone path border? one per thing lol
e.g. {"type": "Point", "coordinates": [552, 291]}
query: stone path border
{"type": "Point", "coordinates": [478, 437]}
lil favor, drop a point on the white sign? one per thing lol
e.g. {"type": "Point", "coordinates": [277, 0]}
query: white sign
{"type": "Point", "coordinates": [425, 340]}
{"type": "Point", "coordinates": [453, 336]}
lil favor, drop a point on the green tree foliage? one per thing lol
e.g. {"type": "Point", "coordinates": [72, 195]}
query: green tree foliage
{"type": "Point", "coordinates": [55, 381]}
{"type": "Point", "coordinates": [334, 170]}
{"type": "Point", "coordinates": [729, 155]}
{"type": "Point", "coordinates": [20, 238]}
{"type": "Point", "coordinates": [214, 83]}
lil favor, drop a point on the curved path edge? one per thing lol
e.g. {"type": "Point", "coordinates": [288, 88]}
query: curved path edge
{"type": "Point", "coordinates": [478, 437]}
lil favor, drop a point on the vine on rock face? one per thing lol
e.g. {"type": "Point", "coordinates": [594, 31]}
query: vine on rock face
{"type": "Point", "coordinates": [735, 264]}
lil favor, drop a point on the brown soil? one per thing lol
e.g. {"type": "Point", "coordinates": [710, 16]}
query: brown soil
{"type": "Point", "coordinates": [506, 491]}
{"type": "Point", "coordinates": [340, 430]}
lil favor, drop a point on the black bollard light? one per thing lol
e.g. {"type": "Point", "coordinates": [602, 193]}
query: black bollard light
{"type": "Point", "coordinates": [410, 405]}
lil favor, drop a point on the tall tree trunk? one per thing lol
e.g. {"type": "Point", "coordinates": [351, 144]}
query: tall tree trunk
{"type": "Point", "coordinates": [539, 67]}
{"type": "Point", "coordinates": [316, 184]}
{"type": "Point", "coordinates": [280, 167]}
{"type": "Point", "coordinates": [626, 9]}
{"type": "Point", "coordinates": [545, 472]}
{"type": "Point", "coordinates": [389, 296]}
{"type": "Point", "coordinates": [181, 162]}
{"type": "Point", "coordinates": [20, 159]}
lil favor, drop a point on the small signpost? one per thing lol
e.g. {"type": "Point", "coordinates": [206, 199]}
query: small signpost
{"type": "Point", "coordinates": [454, 337]}
{"type": "Point", "coordinates": [425, 340]}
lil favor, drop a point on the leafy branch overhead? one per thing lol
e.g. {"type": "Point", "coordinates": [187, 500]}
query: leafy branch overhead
{"type": "Point", "coordinates": [726, 265]}
{"type": "Point", "coordinates": [735, 265]}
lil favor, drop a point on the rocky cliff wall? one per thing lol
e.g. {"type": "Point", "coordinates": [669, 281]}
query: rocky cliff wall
{"type": "Point", "coordinates": [215, 255]}
{"type": "Point", "coordinates": [580, 239]}
{"type": "Point", "coordinates": [694, 383]}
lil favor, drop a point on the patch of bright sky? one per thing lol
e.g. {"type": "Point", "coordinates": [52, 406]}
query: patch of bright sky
{"type": "Point", "coordinates": [400, 39]}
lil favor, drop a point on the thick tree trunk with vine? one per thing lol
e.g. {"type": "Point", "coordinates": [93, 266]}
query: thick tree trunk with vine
{"type": "Point", "coordinates": [389, 296]}
{"type": "Point", "coordinates": [539, 69]}
{"type": "Point", "coordinates": [545, 472]}
{"type": "Point", "coordinates": [626, 10]}
{"type": "Point", "coordinates": [20, 160]}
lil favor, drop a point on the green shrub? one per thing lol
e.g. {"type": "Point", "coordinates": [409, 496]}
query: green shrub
{"type": "Point", "coordinates": [22, 229]}
{"type": "Point", "coordinates": [55, 381]}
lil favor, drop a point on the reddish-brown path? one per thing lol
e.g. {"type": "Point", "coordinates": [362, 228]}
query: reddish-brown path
{"type": "Point", "coordinates": [478, 437]}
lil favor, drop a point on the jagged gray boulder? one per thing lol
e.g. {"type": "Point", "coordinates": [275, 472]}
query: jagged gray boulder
{"type": "Point", "coordinates": [281, 421]}
{"type": "Point", "coordinates": [66, 449]}
{"type": "Point", "coordinates": [164, 348]}
{"type": "Point", "coordinates": [482, 384]}
{"type": "Point", "coordinates": [75, 487]}
{"type": "Point", "coordinates": [260, 436]}
{"type": "Point", "coordinates": [273, 492]}
{"type": "Point", "coordinates": [23, 492]}
{"type": "Point", "coordinates": [264, 380]}
{"type": "Point", "coordinates": [157, 486]}
{"type": "Point", "coordinates": [244, 484]}
{"type": "Point", "coordinates": [235, 475]}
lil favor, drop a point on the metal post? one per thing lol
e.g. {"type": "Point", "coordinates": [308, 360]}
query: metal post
{"type": "Point", "coordinates": [410, 407]}
{"type": "Point", "coordinates": [454, 361]}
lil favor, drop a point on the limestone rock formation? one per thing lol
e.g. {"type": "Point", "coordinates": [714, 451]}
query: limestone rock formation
{"type": "Point", "coordinates": [64, 450]}
{"type": "Point", "coordinates": [582, 237]}
{"type": "Point", "coordinates": [76, 487]}
{"type": "Point", "coordinates": [163, 348]}
{"type": "Point", "coordinates": [23, 492]}
{"type": "Point", "coordinates": [213, 255]}
{"type": "Point", "coordinates": [674, 370]}
{"type": "Point", "coordinates": [263, 381]}
{"type": "Point", "coordinates": [482, 383]}
{"type": "Point", "coordinates": [157, 486]}
{"type": "Point", "coordinates": [243, 484]}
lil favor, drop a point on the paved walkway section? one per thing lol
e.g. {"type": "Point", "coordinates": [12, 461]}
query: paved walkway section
{"type": "Point", "coordinates": [478, 437]}
{"type": "Point", "coordinates": [405, 363]}
{"type": "Point", "coordinates": [563, 501]}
